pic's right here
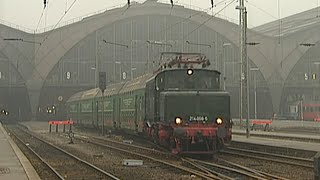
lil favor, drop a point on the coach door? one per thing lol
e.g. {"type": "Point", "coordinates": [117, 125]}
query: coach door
{"type": "Point", "coordinates": [138, 113]}
{"type": "Point", "coordinates": [114, 112]}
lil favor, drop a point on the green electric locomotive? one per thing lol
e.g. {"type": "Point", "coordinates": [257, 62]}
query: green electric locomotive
{"type": "Point", "coordinates": [180, 106]}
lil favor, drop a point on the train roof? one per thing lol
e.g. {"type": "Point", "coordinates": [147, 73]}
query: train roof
{"type": "Point", "coordinates": [135, 84]}
{"type": "Point", "coordinates": [84, 95]}
{"type": "Point", "coordinates": [113, 89]}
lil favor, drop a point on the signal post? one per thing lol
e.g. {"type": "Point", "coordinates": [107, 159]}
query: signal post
{"type": "Point", "coordinates": [102, 87]}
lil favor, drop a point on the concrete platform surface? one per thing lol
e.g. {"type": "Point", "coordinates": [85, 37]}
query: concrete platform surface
{"type": "Point", "coordinates": [310, 146]}
{"type": "Point", "coordinates": [283, 134]}
{"type": "Point", "coordinates": [13, 163]}
{"type": "Point", "coordinates": [276, 124]}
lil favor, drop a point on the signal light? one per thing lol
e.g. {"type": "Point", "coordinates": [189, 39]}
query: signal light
{"type": "Point", "coordinates": [102, 81]}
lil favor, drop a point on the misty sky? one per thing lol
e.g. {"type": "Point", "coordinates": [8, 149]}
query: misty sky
{"type": "Point", "coordinates": [27, 13]}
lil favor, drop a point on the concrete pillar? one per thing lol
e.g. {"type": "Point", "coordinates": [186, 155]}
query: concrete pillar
{"type": "Point", "coordinates": [34, 88]}
{"type": "Point", "coordinates": [276, 94]}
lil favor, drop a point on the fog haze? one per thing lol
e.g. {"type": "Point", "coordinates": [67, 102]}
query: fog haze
{"type": "Point", "coordinates": [27, 13]}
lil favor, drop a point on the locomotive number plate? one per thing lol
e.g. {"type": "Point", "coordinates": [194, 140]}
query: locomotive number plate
{"type": "Point", "coordinates": [198, 118]}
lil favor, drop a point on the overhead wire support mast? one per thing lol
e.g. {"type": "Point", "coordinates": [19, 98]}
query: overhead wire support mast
{"type": "Point", "coordinates": [244, 69]}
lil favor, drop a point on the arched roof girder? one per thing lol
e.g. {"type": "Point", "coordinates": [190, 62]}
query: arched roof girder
{"type": "Point", "coordinates": [60, 41]}
{"type": "Point", "coordinates": [8, 50]}
{"type": "Point", "coordinates": [295, 51]}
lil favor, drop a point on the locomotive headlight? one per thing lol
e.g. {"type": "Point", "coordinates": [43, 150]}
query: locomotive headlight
{"type": "Point", "coordinates": [190, 72]}
{"type": "Point", "coordinates": [178, 120]}
{"type": "Point", "coordinates": [6, 113]}
{"type": "Point", "coordinates": [219, 121]}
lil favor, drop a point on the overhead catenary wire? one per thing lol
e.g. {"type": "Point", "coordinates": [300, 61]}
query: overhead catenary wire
{"type": "Point", "coordinates": [46, 37]}
{"type": "Point", "coordinates": [204, 22]}
{"type": "Point", "coordinates": [40, 19]}
{"type": "Point", "coordinates": [262, 10]}
{"type": "Point", "coordinates": [60, 19]}
{"type": "Point", "coordinates": [167, 28]}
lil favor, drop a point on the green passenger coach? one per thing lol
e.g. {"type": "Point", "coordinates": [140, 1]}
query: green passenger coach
{"type": "Point", "coordinates": [123, 105]}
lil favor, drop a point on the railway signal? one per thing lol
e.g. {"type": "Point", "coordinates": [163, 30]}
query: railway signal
{"type": "Point", "coordinates": [102, 86]}
{"type": "Point", "coordinates": [102, 81]}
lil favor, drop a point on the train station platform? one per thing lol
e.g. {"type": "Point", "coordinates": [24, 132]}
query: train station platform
{"type": "Point", "coordinates": [13, 163]}
{"type": "Point", "coordinates": [267, 138]}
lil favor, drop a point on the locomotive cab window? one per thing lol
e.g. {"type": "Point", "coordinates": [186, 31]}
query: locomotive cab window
{"type": "Point", "coordinates": [188, 79]}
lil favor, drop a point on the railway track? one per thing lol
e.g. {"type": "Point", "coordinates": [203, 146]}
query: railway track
{"type": "Point", "coordinates": [61, 163]}
{"type": "Point", "coordinates": [277, 158]}
{"type": "Point", "coordinates": [203, 169]}
{"type": "Point", "coordinates": [163, 158]}
{"type": "Point", "coordinates": [228, 171]}
{"type": "Point", "coordinates": [220, 169]}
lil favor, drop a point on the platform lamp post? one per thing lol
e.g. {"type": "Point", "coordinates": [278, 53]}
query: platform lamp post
{"type": "Point", "coordinates": [301, 100]}
{"type": "Point", "coordinates": [224, 45]}
{"type": "Point", "coordinates": [317, 75]}
{"type": "Point", "coordinates": [132, 70]}
{"type": "Point", "coordinates": [255, 90]}
{"type": "Point", "coordinates": [120, 69]}
{"type": "Point", "coordinates": [119, 45]}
